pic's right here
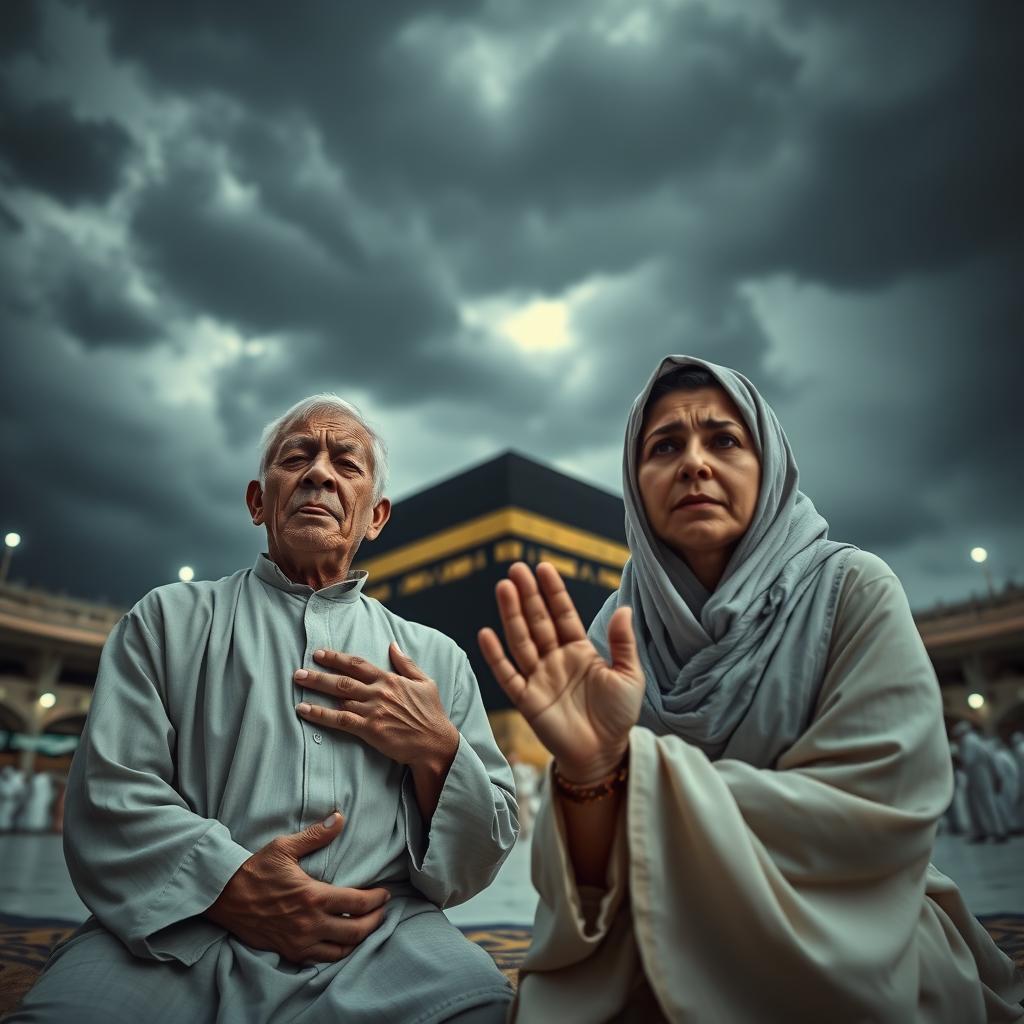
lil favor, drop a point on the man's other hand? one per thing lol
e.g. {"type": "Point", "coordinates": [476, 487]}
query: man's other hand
{"type": "Point", "coordinates": [271, 903]}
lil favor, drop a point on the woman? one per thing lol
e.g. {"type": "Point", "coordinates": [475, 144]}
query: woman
{"type": "Point", "coordinates": [758, 848]}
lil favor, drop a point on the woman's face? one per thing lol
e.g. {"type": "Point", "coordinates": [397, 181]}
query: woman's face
{"type": "Point", "coordinates": [699, 476]}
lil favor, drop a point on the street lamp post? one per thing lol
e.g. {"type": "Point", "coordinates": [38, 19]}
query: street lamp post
{"type": "Point", "coordinates": [980, 556]}
{"type": "Point", "coordinates": [11, 541]}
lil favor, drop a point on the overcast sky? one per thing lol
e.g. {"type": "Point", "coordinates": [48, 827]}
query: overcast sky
{"type": "Point", "coordinates": [485, 223]}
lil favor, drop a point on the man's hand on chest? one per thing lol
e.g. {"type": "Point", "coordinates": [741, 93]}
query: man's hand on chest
{"type": "Point", "coordinates": [397, 713]}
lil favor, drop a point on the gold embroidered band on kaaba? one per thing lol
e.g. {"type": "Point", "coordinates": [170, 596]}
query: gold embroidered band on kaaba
{"type": "Point", "coordinates": [461, 550]}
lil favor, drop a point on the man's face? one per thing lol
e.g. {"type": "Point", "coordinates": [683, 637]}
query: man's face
{"type": "Point", "coordinates": [318, 494]}
{"type": "Point", "coordinates": [696, 443]}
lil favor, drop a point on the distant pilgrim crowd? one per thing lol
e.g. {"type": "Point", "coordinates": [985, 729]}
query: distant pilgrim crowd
{"type": "Point", "coordinates": [30, 804]}
{"type": "Point", "coordinates": [988, 799]}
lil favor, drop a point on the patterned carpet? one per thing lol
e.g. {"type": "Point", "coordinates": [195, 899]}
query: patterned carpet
{"type": "Point", "coordinates": [26, 942]}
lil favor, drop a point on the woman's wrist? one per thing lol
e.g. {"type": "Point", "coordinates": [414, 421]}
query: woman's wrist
{"type": "Point", "coordinates": [600, 790]}
{"type": "Point", "coordinates": [594, 770]}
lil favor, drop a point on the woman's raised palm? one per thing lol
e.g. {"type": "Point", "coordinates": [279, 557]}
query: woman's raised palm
{"type": "Point", "coordinates": [580, 707]}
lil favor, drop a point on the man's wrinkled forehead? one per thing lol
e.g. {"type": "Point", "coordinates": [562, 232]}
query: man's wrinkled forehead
{"type": "Point", "coordinates": [340, 431]}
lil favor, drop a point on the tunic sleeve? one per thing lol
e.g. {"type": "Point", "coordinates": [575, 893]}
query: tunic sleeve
{"type": "Point", "coordinates": [798, 892]}
{"type": "Point", "coordinates": [140, 859]}
{"type": "Point", "coordinates": [475, 823]}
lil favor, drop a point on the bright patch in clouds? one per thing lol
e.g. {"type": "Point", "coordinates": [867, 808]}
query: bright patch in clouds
{"type": "Point", "coordinates": [234, 194]}
{"type": "Point", "coordinates": [541, 325]}
{"type": "Point", "coordinates": [537, 325]}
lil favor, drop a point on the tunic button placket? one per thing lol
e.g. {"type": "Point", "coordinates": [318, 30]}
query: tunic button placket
{"type": "Point", "coordinates": [320, 781]}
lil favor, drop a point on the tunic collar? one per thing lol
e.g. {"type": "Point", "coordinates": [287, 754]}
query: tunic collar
{"type": "Point", "coordinates": [345, 591]}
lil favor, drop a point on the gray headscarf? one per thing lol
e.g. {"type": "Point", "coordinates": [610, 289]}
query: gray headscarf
{"type": "Point", "coordinates": [735, 671]}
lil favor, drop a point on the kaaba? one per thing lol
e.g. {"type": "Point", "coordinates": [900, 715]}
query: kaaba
{"type": "Point", "coordinates": [442, 552]}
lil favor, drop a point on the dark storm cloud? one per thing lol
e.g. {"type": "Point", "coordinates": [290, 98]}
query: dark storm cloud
{"type": "Point", "coordinates": [570, 135]}
{"type": "Point", "coordinates": [265, 155]}
{"type": "Point", "coordinates": [470, 389]}
{"type": "Point", "coordinates": [975, 363]}
{"type": "Point", "coordinates": [310, 54]}
{"type": "Point", "coordinates": [669, 312]}
{"type": "Point", "coordinates": [849, 184]}
{"type": "Point", "coordinates": [9, 221]}
{"type": "Point", "coordinates": [620, 119]}
{"type": "Point", "coordinates": [336, 188]}
{"type": "Point", "coordinates": [96, 312]}
{"type": "Point", "coordinates": [876, 188]}
{"type": "Point", "coordinates": [233, 263]}
{"type": "Point", "coordinates": [20, 25]}
{"type": "Point", "coordinates": [357, 312]}
{"type": "Point", "coordinates": [267, 275]}
{"type": "Point", "coordinates": [878, 184]}
{"type": "Point", "coordinates": [44, 146]}
{"type": "Point", "coordinates": [82, 290]}
{"type": "Point", "coordinates": [920, 181]}
{"type": "Point", "coordinates": [592, 118]}
{"type": "Point", "coordinates": [111, 498]}
{"type": "Point", "coordinates": [910, 434]}
{"type": "Point", "coordinates": [357, 318]}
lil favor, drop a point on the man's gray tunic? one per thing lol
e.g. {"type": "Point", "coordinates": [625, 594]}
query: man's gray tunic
{"type": "Point", "coordinates": [193, 758]}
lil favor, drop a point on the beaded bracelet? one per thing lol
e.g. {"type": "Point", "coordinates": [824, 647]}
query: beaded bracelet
{"type": "Point", "coordinates": [593, 791]}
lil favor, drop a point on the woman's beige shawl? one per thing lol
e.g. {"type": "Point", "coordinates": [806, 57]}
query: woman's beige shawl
{"type": "Point", "coordinates": [801, 893]}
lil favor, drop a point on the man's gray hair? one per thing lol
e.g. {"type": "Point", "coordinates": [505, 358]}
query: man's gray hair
{"type": "Point", "coordinates": [320, 405]}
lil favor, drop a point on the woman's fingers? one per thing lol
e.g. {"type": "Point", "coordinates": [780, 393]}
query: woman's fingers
{"type": "Point", "coordinates": [535, 609]}
{"type": "Point", "coordinates": [622, 644]}
{"type": "Point", "coordinates": [517, 631]}
{"type": "Point", "coordinates": [503, 670]}
{"type": "Point", "coordinates": [567, 622]}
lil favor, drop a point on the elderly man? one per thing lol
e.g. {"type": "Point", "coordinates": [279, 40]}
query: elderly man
{"type": "Point", "coordinates": [264, 816]}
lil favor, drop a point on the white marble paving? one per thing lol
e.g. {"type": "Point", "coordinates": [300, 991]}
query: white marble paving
{"type": "Point", "coordinates": [991, 876]}
{"type": "Point", "coordinates": [34, 881]}
{"type": "Point", "coordinates": [509, 899]}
